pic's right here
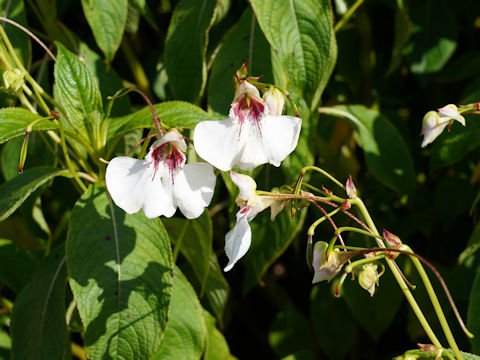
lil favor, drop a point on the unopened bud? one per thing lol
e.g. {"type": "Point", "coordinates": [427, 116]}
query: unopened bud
{"type": "Point", "coordinates": [346, 205]}
{"type": "Point", "coordinates": [392, 239]}
{"type": "Point", "coordinates": [368, 278]}
{"type": "Point", "coordinates": [23, 153]}
{"type": "Point", "coordinates": [274, 100]}
{"type": "Point", "coordinates": [351, 189]}
{"type": "Point", "coordinates": [13, 79]}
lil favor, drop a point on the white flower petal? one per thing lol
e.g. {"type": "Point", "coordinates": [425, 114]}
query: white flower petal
{"type": "Point", "coordinates": [126, 180]}
{"type": "Point", "coordinates": [159, 198]}
{"type": "Point", "coordinates": [219, 143]}
{"type": "Point", "coordinates": [172, 136]}
{"type": "Point", "coordinates": [193, 189]}
{"type": "Point", "coordinates": [246, 185]}
{"type": "Point", "coordinates": [238, 240]}
{"type": "Point", "coordinates": [432, 133]}
{"type": "Point", "coordinates": [280, 137]}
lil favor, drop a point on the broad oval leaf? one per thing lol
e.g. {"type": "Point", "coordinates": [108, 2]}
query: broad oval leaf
{"type": "Point", "coordinates": [245, 42]}
{"type": "Point", "coordinates": [15, 191]}
{"type": "Point", "coordinates": [120, 267]}
{"type": "Point", "coordinates": [386, 153]}
{"type": "Point", "coordinates": [186, 46]}
{"type": "Point", "coordinates": [186, 332]}
{"type": "Point", "coordinates": [302, 37]}
{"type": "Point", "coordinates": [39, 329]}
{"type": "Point", "coordinates": [217, 346]}
{"type": "Point", "coordinates": [107, 20]}
{"type": "Point", "coordinates": [14, 122]}
{"type": "Point", "coordinates": [171, 113]}
{"type": "Point", "coordinates": [77, 91]}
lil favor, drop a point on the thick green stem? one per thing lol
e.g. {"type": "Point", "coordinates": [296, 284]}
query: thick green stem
{"type": "Point", "coordinates": [398, 276]}
{"type": "Point", "coordinates": [348, 15]}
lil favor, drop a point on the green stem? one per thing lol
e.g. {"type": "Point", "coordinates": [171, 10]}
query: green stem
{"type": "Point", "coordinates": [396, 273]}
{"type": "Point", "coordinates": [311, 229]}
{"type": "Point", "coordinates": [349, 268]}
{"type": "Point", "coordinates": [348, 15]}
{"type": "Point", "coordinates": [323, 172]}
{"type": "Point", "coordinates": [357, 230]}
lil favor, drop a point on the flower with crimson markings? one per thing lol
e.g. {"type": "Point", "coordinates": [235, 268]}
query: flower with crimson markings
{"type": "Point", "coordinates": [162, 181]}
{"type": "Point", "coordinates": [238, 240]}
{"type": "Point", "coordinates": [255, 132]}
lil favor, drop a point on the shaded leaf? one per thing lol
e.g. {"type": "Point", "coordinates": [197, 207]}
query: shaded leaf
{"type": "Point", "coordinates": [185, 48]}
{"type": "Point", "coordinates": [186, 333]}
{"type": "Point", "coordinates": [16, 266]}
{"type": "Point", "coordinates": [107, 20]}
{"type": "Point", "coordinates": [123, 292]}
{"type": "Point", "coordinates": [39, 330]}
{"type": "Point", "coordinates": [172, 113]}
{"type": "Point", "coordinates": [15, 191]}
{"type": "Point", "coordinates": [402, 30]}
{"type": "Point", "coordinates": [77, 91]}
{"type": "Point", "coordinates": [15, 10]}
{"type": "Point", "coordinates": [14, 122]}
{"type": "Point", "coordinates": [473, 315]}
{"type": "Point", "coordinates": [240, 45]}
{"type": "Point", "coordinates": [386, 153]}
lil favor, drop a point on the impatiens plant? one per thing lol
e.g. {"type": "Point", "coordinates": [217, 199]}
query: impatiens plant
{"type": "Point", "coordinates": [142, 141]}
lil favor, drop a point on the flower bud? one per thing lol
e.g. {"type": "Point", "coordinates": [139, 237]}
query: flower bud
{"type": "Point", "coordinates": [327, 269]}
{"type": "Point", "coordinates": [368, 277]}
{"type": "Point", "coordinates": [434, 122]}
{"type": "Point", "coordinates": [275, 101]}
{"type": "Point", "coordinates": [13, 79]}
{"type": "Point", "coordinates": [351, 189]}
{"type": "Point", "coordinates": [392, 239]}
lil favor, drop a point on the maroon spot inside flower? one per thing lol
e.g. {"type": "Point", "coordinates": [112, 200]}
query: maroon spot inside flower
{"type": "Point", "coordinates": [170, 155]}
{"type": "Point", "coordinates": [251, 109]}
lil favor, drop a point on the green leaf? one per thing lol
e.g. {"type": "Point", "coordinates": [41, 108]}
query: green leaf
{"type": "Point", "coordinates": [185, 48]}
{"type": "Point", "coordinates": [193, 238]}
{"type": "Point", "coordinates": [289, 332]}
{"type": "Point", "coordinates": [402, 30]}
{"type": "Point", "coordinates": [15, 10]}
{"type": "Point", "coordinates": [473, 315]}
{"type": "Point", "coordinates": [76, 90]}
{"type": "Point", "coordinates": [434, 39]}
{"type": "Point", "coordinates": [14, 122]}
{"type": "Point", "coordinates": [186, 333]}
{"type": "Point", "coordinates": [39, 330]}
{"type": "Point", "coordinates": [120, 267]}
{"type": "Point", "coordinates": [386, 153]}
{"type": "Point", "coordinates": [108, 80]}
{"type": "Point", "coordinates": [16, 266]}
{"type": "Point", "coordinates": [15, 191]}
{"type": "Point", "coordinates": [301, 35]}
{"type": "Point", "coordinates": [172, 113]}
{"type": "Point", "coordinates": [375, 314]}
{"type": "Point", "coordinates": [217, 346]}
{"type": "Point", "coordinates": [107, 20]}
{"type": "Point", "coordinates": [241, 44]}
{"type": "Point", "coordinates": [270, 239]}
{"type": "Point", "coordinates": [332, 322]}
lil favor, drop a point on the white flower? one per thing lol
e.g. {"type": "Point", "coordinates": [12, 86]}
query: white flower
{"type": "Point", "coordinates": [434, 122]}
{"type": "Point", "coordinates": [254, 133]}
{"type": "Point", "coordinates": [238, 240]}
{"type": "Point", "coordinates": [161, 182]}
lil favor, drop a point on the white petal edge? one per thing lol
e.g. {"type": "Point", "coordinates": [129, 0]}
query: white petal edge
{"type": "Point", "coordinates": [280, 137]}
{"type": "Point", "coordinates": [159, 198]}
{"type": "Point", "coordinates": [238, 240]}
{"type": "Point", "coordinates": [218, 142]}
{"type": "Point", "coordinates": [193, 189]}
{"type": "Point", "coordinates": [246, 185]}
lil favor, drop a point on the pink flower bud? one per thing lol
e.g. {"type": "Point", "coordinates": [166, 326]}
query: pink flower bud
{"type": "Point", "coordinates": [351, 189]}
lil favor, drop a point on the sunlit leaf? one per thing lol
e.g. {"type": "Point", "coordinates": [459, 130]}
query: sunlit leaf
{"type": "Point", "coordinates": [15, 191]}
{"type": "Point", "coordinates": [14, 122]}
{"type": "Point", "coordinates": [107, 20]}
{"type": "Point", "coordinates": [186, 334]}
{"type": "Point", "coordinates": [217, 347]}
{"type": "Point", "coordinates": [39, 329]}
{"type": "Point", "coordinates": [121, 276]}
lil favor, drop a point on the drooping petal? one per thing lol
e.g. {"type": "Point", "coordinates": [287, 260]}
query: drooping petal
{"type": "Point", "coordinates": [432, 127]}
{"type": "Point", "coordinates": [238, 240]}
{"type": "Point", "coordinates": [451, 111]}
{"type": "Point", "coordinates": [280, 137]}
{"type": "Point", "coordinates": [126, 180]}
{"type": "Point", "coordinates": [135, 185]}
{"type": "Point", "coordinates": [246, 185]}
{"type": "Point", "coordinates": [193, 189]}
{"type": "Point", "coordinates": [219, 143]}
